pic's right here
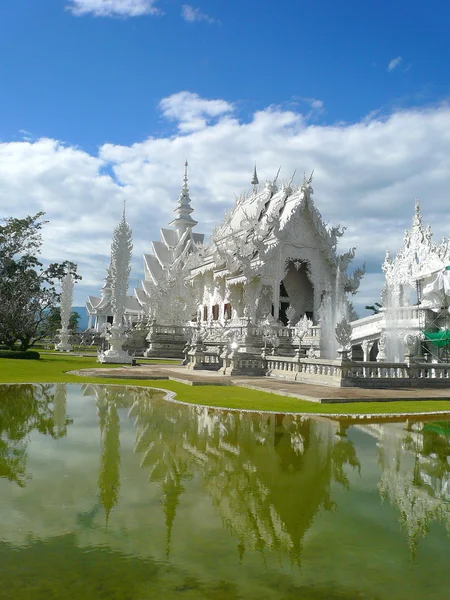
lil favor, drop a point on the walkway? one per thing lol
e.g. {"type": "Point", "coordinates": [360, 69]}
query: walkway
{"type": "Point", "coordinates": [282, 387]}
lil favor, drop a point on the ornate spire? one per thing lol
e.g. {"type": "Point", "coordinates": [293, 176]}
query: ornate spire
{"type": "Point", "coordinates": [183, 220]}
{"type": "Point", "coordinates": [306, 186]}
{"type": "Point", "coordinates": [255, 180]}
{"type": "Point", "coordinates": [121, 250]}
{"type": "Point", "coordinates": [417, 219]}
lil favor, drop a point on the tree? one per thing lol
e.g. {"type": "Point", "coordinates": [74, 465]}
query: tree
{"type": "Point", "coordinates": [23, 409]}
{"type": "Point", "coordinates": [28, 292]}
{"type": "Point", "coordinates": [54, 322]}
{"type": "Point", "coordinates": [375, 308]}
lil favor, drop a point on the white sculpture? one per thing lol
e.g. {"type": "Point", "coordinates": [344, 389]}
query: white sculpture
{"type": "Point", "coordinates": [301, 329]}
{"type": "Point", "coordinates": [290, 314]}
{"type": "Point", "coordinates": [121, 249]}
{"type": "Point", "coordinates": [343, 336]}
{"type": "Point", "coordinates": [67, 284]}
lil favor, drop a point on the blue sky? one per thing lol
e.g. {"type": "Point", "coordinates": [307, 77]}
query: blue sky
{"type": "Point", "coordinates": [100, 100]}
{"type": "Point", "coordinates": [88, 80]}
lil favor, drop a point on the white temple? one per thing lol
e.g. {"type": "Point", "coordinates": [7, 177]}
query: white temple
{"type": "Point", "coordinates": [272, 257]}
{"type": "Point", "coordinates": [272, 281]}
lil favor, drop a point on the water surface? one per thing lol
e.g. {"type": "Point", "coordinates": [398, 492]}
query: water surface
{"type": "Point", "coordinates": [113, 492]}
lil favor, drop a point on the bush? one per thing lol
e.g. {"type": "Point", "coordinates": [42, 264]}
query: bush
{"type": "Point", "coordinates": [25, 355]}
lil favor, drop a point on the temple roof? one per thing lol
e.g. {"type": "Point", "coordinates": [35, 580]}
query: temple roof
{"type": "Point", "coordinates": [262, 220]}
{"type": "Point", "coordinates": [174, 244]}
{"type": "Point", "coordinates": [97, 305]}
{"type": "Point", "coordinates": [162, 253]}
{"type": "Point", "coordinates": [169, 237]}
{"type": "Point", "coordinates": [152, 268]}
{"type": "Point", "coordinates": [419, 256]}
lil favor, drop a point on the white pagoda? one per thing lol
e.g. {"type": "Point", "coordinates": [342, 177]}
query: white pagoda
{"type": "Point", "coordinates": [165, 294]}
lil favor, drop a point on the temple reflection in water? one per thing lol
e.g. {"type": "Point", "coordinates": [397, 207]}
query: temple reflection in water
{"type": "Point", "coordinates": [414, 459]}
{"type": "Point", "coordinates": [267, 476]}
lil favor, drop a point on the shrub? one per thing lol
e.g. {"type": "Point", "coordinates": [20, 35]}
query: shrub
{"type": "Point", "coordinates": [25, 355]}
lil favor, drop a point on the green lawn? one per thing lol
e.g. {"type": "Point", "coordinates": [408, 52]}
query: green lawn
{"type": "Point", "coordinates": [52, 368]}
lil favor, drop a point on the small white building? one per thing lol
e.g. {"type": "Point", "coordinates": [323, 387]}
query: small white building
{"type": "Point", "coordinates": [100, 311]}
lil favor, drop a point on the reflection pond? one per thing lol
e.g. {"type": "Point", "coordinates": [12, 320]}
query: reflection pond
{"type": "Point", "coordinates": [113, 492]}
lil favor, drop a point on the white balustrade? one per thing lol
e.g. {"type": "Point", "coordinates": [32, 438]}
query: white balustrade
{"type": "Point", "coordinates": [335, 372]}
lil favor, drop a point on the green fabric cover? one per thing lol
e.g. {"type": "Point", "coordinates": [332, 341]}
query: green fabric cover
{"type": "Point", "coordinates": [438, 338]}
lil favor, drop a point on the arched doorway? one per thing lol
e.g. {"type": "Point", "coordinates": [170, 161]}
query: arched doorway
{"type": "Point", "coordinates": [296, 290]}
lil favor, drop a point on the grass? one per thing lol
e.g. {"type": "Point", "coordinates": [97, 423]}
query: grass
{"type": "Point", "coordinates": [53, 368]}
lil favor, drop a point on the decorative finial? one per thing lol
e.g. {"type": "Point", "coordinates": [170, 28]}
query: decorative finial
{"type": "Point", "coordinates": [417, 219]}
{"type": "Point", "coordinates": [124, 210]}
{"type": "Point", "coordinates": [292, 179]}
{"type": "Point", "coordinates": [278, 173]}
{"type": "Point", "coordinates": [307, 181]}
{"type": "Point", "coordinates": [255, 180]}
{"type": "Point", "coordinates": [186, 164]}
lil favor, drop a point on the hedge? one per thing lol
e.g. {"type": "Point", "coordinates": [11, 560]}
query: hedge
{"type": "Point", "coordinates": [25, 355]}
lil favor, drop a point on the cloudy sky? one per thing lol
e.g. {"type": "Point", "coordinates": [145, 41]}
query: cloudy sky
{"type": "Point", "coordinates": [102, 101]}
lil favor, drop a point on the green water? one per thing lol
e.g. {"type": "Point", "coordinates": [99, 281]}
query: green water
{"type": "Point", "coordinates": [115, 493]}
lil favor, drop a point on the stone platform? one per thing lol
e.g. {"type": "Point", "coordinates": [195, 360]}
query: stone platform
{"type": "Point", "coordinates": [282, 387]}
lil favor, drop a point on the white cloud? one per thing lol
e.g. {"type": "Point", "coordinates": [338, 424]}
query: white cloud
{"type": "Point", "coordinates": [26, 135]}
{"type": "Point", "coordinates": [192, 112]}
{"type": "Point", "coordinates": [394, 63]}
{"type": "Point", "coordinates": [114, 8]}
{"type": "Point", "coordinates": [193, 14]}
{"type": "Point", "coordinates": [317, 104]}
{"type": "Point", "coordinates": [367, 176]}
{"type": "Point", "coordinates": [317, 107]}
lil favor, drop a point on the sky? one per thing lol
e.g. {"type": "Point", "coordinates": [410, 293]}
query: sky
{"type": "Point", "coordinates": [102, 101]}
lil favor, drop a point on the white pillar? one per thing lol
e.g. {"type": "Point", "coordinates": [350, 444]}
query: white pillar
{"type": "Point", "coordinates": [366, 348]}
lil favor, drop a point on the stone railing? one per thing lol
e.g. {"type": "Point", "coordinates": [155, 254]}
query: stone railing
{"type": "Point", "coordinates": [384, 374]}
{"type": "Point", "coordinates": [346, 373]}
{"type": "Point", "coordinates": [307, 370]}
{"type": "Point", "coordinates": [170, 340]}
{"type": "Point", "coordinates": [198, 357]}
{"type": "Point", "coordinates": [165, 340]}
{"type": "Point", "coordinates": [241, 363]}
{"type": "Point", "coordinates": [172, 330]}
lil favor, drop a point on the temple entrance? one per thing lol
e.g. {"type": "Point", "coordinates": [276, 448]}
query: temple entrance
{"type": "Point", "coordinates": [296, 290]}
{"type": "Point", "coordinates": [284, 304]}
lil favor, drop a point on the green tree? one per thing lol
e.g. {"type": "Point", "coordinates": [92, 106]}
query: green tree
{"type": "Point", "coordinates": [375, 308]}
{"type": "Point", "coordinates": [23, 409]}
{"type": "Point", "coordinates": [55, 321]}
{"type": "Point", "coordinates": [28, 292]}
